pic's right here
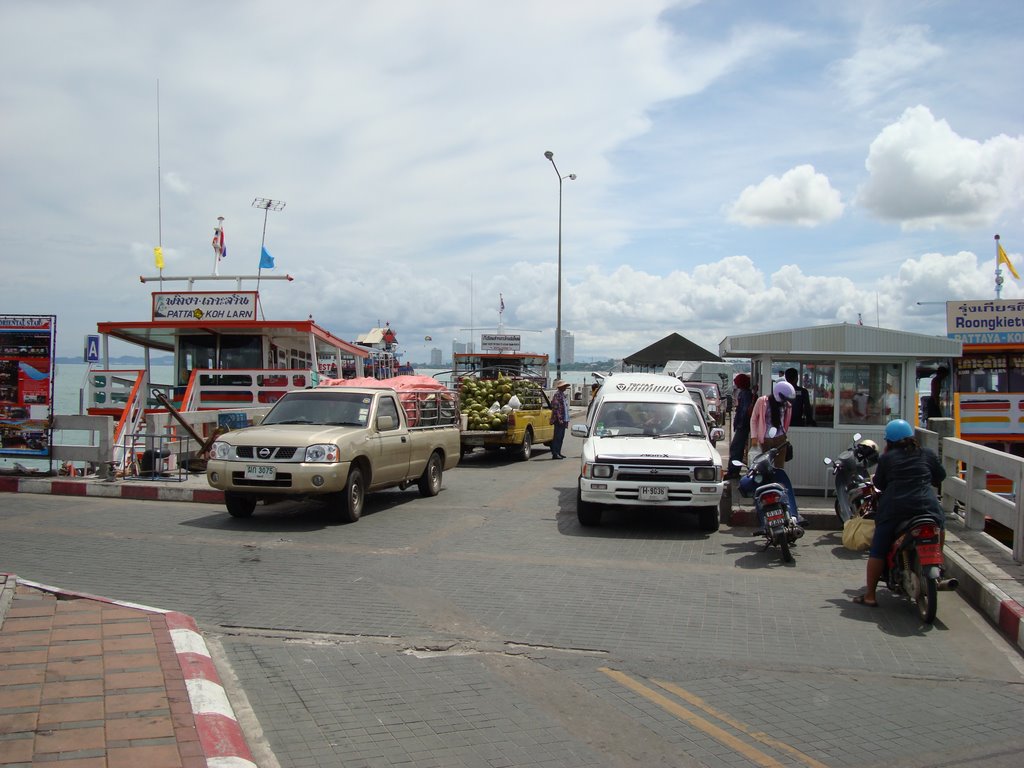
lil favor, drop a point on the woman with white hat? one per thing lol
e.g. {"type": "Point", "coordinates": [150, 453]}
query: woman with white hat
{"type": "Point", "coordinates": [559, 417]}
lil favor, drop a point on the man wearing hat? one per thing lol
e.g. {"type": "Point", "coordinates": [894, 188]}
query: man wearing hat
{"type": "Point", "coordinates": [559, 417]}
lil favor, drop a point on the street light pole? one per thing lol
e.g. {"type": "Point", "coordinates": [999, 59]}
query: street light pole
{"type": "Point", "coordinates": [558, 319]}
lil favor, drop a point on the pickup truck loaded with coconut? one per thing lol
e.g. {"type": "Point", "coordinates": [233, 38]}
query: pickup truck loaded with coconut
{"type": "Point", "coordinates": [340, 441]}
{"type": "Point", "coordinates": [505, 412]}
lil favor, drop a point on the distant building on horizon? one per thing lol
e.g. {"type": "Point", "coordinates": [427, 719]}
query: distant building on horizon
{"type": "Point", "coordinates": [435, 358]}
{"type": "Point", "coordinates": [568, 348]}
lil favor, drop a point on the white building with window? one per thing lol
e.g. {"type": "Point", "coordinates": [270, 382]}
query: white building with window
{"type": "Point", "coordinates": [858, 378]}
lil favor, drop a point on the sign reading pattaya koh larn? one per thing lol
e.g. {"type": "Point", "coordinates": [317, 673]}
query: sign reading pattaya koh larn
{"type": "Point", "coordinates": [208, 305]}
{"type": "Point", "coordinates": [985, 322]}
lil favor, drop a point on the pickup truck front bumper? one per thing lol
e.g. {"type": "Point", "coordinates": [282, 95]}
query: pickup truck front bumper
{"type": "Point", "coordinates": [291, 478]}
{"type": "Point", "coordinates": [652, 494]}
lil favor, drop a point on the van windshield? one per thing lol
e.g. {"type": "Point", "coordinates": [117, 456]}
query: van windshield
{"type": "Point", "coordinates": [650, 419]}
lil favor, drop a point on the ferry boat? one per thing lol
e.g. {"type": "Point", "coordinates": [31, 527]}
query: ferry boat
{"type": "Point", "coordinates": [226, 355]}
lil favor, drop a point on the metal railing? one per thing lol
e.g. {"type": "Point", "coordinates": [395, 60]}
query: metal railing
{"type": "Point", "coordinates": [967, 468]}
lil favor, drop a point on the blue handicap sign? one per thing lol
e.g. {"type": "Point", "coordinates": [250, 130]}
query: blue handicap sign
{"type": "Point", "coordinates": [92, 349]}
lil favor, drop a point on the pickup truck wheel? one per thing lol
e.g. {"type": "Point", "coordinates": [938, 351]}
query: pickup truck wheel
{"type": "Point", "coordinates": [239, 504]}
{"type": "Point", "coordinates": [352, 497]}
{"type": "Point", "coordinates": [526, 447]}
{"type": "Point", "coordinates": [587, 513]}
{"type": "Point", "coordinates": [707, 519]}
{"type": "Point", "coordinates": [430, 481]}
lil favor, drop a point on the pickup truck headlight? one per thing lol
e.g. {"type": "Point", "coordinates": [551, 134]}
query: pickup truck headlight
{"type": "Point", "coordinates": [220, 450]}
{"type": "Point", "coordinates": [324, 453]}
{"type": "Point", "coordinates": [705, 474]}
{"type": "Point", "coordinates": [597, 470]}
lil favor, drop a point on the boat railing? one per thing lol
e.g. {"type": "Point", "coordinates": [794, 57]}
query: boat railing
{"type": "Point", "coordinates": [242, 388]}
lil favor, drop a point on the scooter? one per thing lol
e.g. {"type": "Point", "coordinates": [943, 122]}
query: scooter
{"type": "Point", "coordinates": [771, 501]}
{"type": "Point", "coordinates": [851, 470]}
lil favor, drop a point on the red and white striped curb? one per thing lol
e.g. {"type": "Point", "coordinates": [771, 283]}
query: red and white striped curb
{"type": "Point", "coordinates": [1002, 610]}
{"type": "Point", "coordinates": [122, 489]}
{"type": "Point", "coordinates": [220, 734]}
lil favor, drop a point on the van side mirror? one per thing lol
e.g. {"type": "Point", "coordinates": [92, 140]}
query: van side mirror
{"type": "Point", "coordinates": [579, 430]}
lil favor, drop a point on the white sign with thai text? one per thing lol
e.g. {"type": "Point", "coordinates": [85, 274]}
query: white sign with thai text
{"type": "Point", "coordinates": [499, 342]}
{"type": "Point", "coordinates": [205, 305]}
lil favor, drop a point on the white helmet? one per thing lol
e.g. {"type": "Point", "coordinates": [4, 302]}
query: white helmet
{"type": "Point", "coordinates": [783, 391]}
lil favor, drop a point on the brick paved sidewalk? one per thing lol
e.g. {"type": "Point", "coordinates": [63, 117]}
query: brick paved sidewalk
{"type": "Point", "coordinates": [89, 683]}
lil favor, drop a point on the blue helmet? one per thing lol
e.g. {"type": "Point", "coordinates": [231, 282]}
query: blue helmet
{"type": "Point", "coordinates": [898, 429]}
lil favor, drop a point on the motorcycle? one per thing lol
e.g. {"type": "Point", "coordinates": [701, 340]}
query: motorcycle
{"type": "Point", "coordinates": [914, 563]}
{"type": "Point", "coordinates": [851, 471]}
{"type": "Point", "coordinates": [771, 501]}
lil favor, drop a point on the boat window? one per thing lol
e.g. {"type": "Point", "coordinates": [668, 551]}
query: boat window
{"type": "Point", "coordinates": [241, 352]}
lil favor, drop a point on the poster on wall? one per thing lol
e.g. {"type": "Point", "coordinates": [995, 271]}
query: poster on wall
{"type": "Point", "coordinates": [26, 384]}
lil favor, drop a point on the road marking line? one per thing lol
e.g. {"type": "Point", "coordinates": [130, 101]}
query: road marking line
{"type": "Point", "coordinates": [761, 736]}
{"type": "Point", "coordinates": [724, 737]}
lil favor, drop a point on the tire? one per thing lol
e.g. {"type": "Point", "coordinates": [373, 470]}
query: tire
{"type": "Point", "coordinates": [240, 504]}
{"type": "Point", "coordinates": [588, 514]}
{"type": "Point", "coordinates": [353, 497]}
{"type": "Point", "coordinates": [927, 595]}
{"type": "Point", "coordinates": [525, 449]}
{"type": "Point", "coordinates": [844, 509]}
{"type": "Point", "coordinates": [430, 481]}
{"type": "Point", "coordinates": [707, 519]}
{"type": "Point", "coordinates": [787, 556]}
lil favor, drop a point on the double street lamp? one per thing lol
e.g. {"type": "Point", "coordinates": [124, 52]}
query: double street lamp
{"type": "Point", "coordinates": [558, 320]}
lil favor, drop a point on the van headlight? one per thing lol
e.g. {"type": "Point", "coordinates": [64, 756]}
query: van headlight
{"type": "Point", "coordinates": [705, 474]}
{"type": "Point", "coordinates": [324, 453]}
{"type": "Point", "coordinates": [220, 450]}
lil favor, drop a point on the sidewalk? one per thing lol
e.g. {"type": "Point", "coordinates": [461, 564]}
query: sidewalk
{"type": "Point", "coordinates": [87, 682]}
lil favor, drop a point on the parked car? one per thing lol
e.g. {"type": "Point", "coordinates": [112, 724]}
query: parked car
{"type": "Point", "coordinates": [713, 398]}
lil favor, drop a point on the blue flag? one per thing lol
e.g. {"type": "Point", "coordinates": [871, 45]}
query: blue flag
{"type": "Point", "coordinates": [266, 260]}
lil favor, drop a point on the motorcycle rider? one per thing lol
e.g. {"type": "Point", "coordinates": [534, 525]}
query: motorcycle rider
{"type": "Point", "coordinates": [772, 414]}
{"type": "Point", "coordinates": [907, 475]}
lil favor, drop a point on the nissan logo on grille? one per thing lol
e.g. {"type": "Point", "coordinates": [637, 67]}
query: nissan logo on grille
{"type": "Point", "coordinates": [264, 453]}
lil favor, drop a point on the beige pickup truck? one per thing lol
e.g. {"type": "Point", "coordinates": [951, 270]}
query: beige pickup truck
{"type": "Point", "coordinates": [338, 443]}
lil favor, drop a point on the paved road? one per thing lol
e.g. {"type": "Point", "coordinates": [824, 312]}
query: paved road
{"type": "Point", "coordinates": [484, 627]}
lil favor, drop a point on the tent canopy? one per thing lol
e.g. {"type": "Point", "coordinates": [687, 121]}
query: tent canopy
{"type": "Point", "coordinates": [672, 347]}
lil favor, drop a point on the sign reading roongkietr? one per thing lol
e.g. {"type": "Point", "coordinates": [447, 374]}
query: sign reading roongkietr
{"type": "Point", "coordinates": [985, 322]}
{"type": "Point", "coordinates": [500, 342]}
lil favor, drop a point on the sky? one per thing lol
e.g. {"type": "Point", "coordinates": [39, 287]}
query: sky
{"type": "Point", "coordinates": [740, 166]}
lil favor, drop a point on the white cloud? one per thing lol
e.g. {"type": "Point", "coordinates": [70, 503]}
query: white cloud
{"type": "Point", "coordinates": [924, 175]}
{"type": "Point", "coordinates": [886, 59]}
{"type": "Point", "coordinates": [802, 197]}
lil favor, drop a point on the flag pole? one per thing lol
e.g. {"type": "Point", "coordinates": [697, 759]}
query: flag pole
{"type": "Point", "coordinates": [159, 200]}
{"type": "Point", "coordinates": [999, 272]}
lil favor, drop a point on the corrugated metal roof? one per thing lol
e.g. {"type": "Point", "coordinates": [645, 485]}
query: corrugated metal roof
{"type": "Point", "coordinates": [844, 339]}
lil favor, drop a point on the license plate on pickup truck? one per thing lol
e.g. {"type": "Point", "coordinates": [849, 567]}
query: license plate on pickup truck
{"type": "Point", "coordinates": [653, 493]}
{"type": "Point", "coordinates": [259, 472]}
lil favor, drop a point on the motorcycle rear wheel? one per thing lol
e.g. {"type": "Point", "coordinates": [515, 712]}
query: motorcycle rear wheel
{"type": "Point", "coordinates": [782, 539]}
{"type": "Point", "coordinates": [927, 596]}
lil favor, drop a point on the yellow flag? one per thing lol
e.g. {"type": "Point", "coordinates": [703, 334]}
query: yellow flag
{"type": "Point", "coordinates": [158, 255]}
{"type": "Point", "coordinates": [1004, 259]}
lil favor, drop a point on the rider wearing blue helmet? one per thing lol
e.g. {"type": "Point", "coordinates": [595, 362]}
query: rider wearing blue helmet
{"type": "Point", "coordinates": [907, 476]}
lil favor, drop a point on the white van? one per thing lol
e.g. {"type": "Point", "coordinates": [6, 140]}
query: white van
{"type": "Point", "coordinates": [646, 444]}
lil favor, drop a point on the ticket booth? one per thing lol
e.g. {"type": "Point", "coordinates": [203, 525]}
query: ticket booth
{"type": "Point", "coordinates": [858, 378]}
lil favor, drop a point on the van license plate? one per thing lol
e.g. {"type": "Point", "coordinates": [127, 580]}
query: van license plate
{"type": "Point", "coordinates": [654, 493]}
{"type": "Point", "coordinates": [259, 472]}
